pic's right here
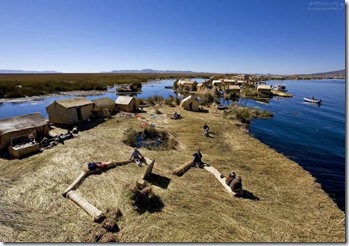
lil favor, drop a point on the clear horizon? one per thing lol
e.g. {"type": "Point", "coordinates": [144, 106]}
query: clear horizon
{"type": "Point", "coordinates": [227, 36]}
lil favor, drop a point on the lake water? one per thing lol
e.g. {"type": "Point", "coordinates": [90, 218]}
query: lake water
{"type": "Point", "coordinates": [311, 135]}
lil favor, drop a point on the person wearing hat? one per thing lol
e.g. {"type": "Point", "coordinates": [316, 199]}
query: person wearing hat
{"type": "Point", "coordinates": [137, 157]}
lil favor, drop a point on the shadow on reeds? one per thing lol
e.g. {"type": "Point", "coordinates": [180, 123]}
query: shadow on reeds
{"type": "Point", "coordinates": [5, 155]}
{"type": "Point", "coordinates": [203, 111]}
{"type": "Point", "coordinates": [83, 125]}
{"type": "Point", "coordinates": [152, 205]}
{"type": "Point", "coordinates": [249, 195]}
{"type": "Point", "coordinates": [158, 180]}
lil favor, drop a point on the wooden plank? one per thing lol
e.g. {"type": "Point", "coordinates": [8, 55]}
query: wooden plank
{"type": "Point", "coordinates": [87, 172]}
{"type": "Point", "coordinates": [183, 168]}
{"type": "Point", "coordinates": [149, 169]}
{"type": "Point", "coordinates": [76, 183]}
{"type": "Point", "coordinates": [96, 214]}
{"type": "Point", "coordinates": [217, 174]}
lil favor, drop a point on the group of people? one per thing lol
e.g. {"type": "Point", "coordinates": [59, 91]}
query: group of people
{"type": "Point", "coordinates": [233, 180]}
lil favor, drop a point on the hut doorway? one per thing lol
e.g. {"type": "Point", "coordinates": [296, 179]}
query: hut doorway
{"type": "Point", "coordinates": [78, 111]}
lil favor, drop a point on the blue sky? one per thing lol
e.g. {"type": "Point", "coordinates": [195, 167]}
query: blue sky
{"type": "Point", "coordinates": [224, 36]}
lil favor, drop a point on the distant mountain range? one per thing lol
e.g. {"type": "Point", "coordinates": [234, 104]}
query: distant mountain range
{"type": "Point", "coordinates": [332, 73]}
{"type": "Point", "coordinates": [22, 71]}
{"type": "Point", "coordinates": [149, 71]}
{"type": "Point", "coordinates": [338, 73]}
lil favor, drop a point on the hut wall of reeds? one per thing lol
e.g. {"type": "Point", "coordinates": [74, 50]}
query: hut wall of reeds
{"type": "Point", "coordinates": [69, 111]}
{"type": "Point", "coordinates": [103, 107]}
{"type": "Point", "coordinates": [190, 103]}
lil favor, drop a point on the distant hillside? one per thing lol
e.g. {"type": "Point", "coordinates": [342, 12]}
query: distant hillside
{"type": "Point", "coordinates": [149, 71]}
{"type": "Point", "coordinates": [332, 73]}
{"type": "Point", "coordinates": [4, 71]}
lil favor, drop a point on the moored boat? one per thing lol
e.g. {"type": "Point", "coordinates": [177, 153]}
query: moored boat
{"type": "Point", "coordinates": [312, 100]}
{"type": "Point", "coordinates": [279, 87]}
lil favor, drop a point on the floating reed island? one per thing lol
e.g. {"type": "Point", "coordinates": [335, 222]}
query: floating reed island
{"type": "Point", "coordinates": [168, 204]}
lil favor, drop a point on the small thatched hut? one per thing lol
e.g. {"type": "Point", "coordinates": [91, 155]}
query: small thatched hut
{"type": "Point", "coordinates": [232, 88]}
{"type": "Point", "coordinates": [69, 111]}
{"type": "Point", "coordinates": [190, 103]}
{"type": "Point", "coordinates": [22, 125]}
{"type": "Point", "coordinates": [265, 89]}
{"type": "Point", "coordinates": [126, 103]}
{"type": "Point", "coordinates": [201, 87]}
{"type": "Point", "coordinates": [216, 82]}
{"type": "Point", "coordinates": [103, 107]}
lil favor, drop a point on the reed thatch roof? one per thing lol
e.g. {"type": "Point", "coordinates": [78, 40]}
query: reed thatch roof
{"type": "Point", "coordinates": [21, 122]}
{"type": "Point", "coordinates": [124, 100]}
{"type": "Point", "coordinates": [103, 102]}
{"type": "Point", "coordinates": [74, 102]}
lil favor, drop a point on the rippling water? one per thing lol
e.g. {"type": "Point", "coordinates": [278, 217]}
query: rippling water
{"type": "Point", "coordinates": [311, 135]}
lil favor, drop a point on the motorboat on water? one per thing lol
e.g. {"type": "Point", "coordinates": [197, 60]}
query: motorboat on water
{"type": "Point", "coordinates": [312, 100]}
{"type": "Point", "coordinates": [279, 87]}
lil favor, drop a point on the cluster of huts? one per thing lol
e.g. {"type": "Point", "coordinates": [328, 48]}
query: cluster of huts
{"type": "Point", "coordinates": [17, 130]}
{"type": "Point", "coordinates": [233, 84]}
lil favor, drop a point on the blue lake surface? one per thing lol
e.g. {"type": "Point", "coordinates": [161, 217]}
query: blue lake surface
{"type": "Point", "coordinates": [311, 135]}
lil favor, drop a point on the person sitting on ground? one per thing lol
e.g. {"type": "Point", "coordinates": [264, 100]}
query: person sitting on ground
{"type": "Point", "coordinates": [206, 129]}
{"type": "Point", "coordinates": [230, 178]}
{"type": "Point", "coordinates": [197, 159]}
{"type": "Point", "coordinates": [176, 115]}
{"type": "Point", "coordinates": [236, 186]}
{"type": "Point", "coordinates": [137, 157]}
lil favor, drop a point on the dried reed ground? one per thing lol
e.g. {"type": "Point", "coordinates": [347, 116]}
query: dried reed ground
{"type": "Point", "coordinates": [292, 206]}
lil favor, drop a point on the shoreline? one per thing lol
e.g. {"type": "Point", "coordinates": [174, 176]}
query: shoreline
{"type": "Point", "coordinates": [290, 198]}
{"type": "Point", "coordinates": [65, 93]}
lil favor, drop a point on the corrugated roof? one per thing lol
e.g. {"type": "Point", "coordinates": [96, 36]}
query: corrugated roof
{"type": "Point", "coordinates": [123, 100]}
{"type": "Point", "coordinates": [74, 102]}
{"type": "Point", "coordinates": [21, 122]}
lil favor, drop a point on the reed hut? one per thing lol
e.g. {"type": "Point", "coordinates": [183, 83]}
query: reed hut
{"type": "Point", "coordinates": [201, 87]}
{"type": "Point", "coordinates": [103, 107]}
{"type": "Point", "coordinates": [126, 103]}
{"type": "Point", "coordinates": [69, 111]}
{"type": "Point", "coordinates": [232, 88]}
{"type": "Point", "coordinates": [190, 103]}
{"type": "Point", "coordinates": [265, 89]}
{"type": "Point", "coordinates": [18, 126]}
{"type": "Point", "coordinates": [216, 82]}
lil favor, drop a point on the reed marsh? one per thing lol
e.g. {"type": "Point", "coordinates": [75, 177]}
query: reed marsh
{"type": "Point", "coordinates": [292, 207]}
